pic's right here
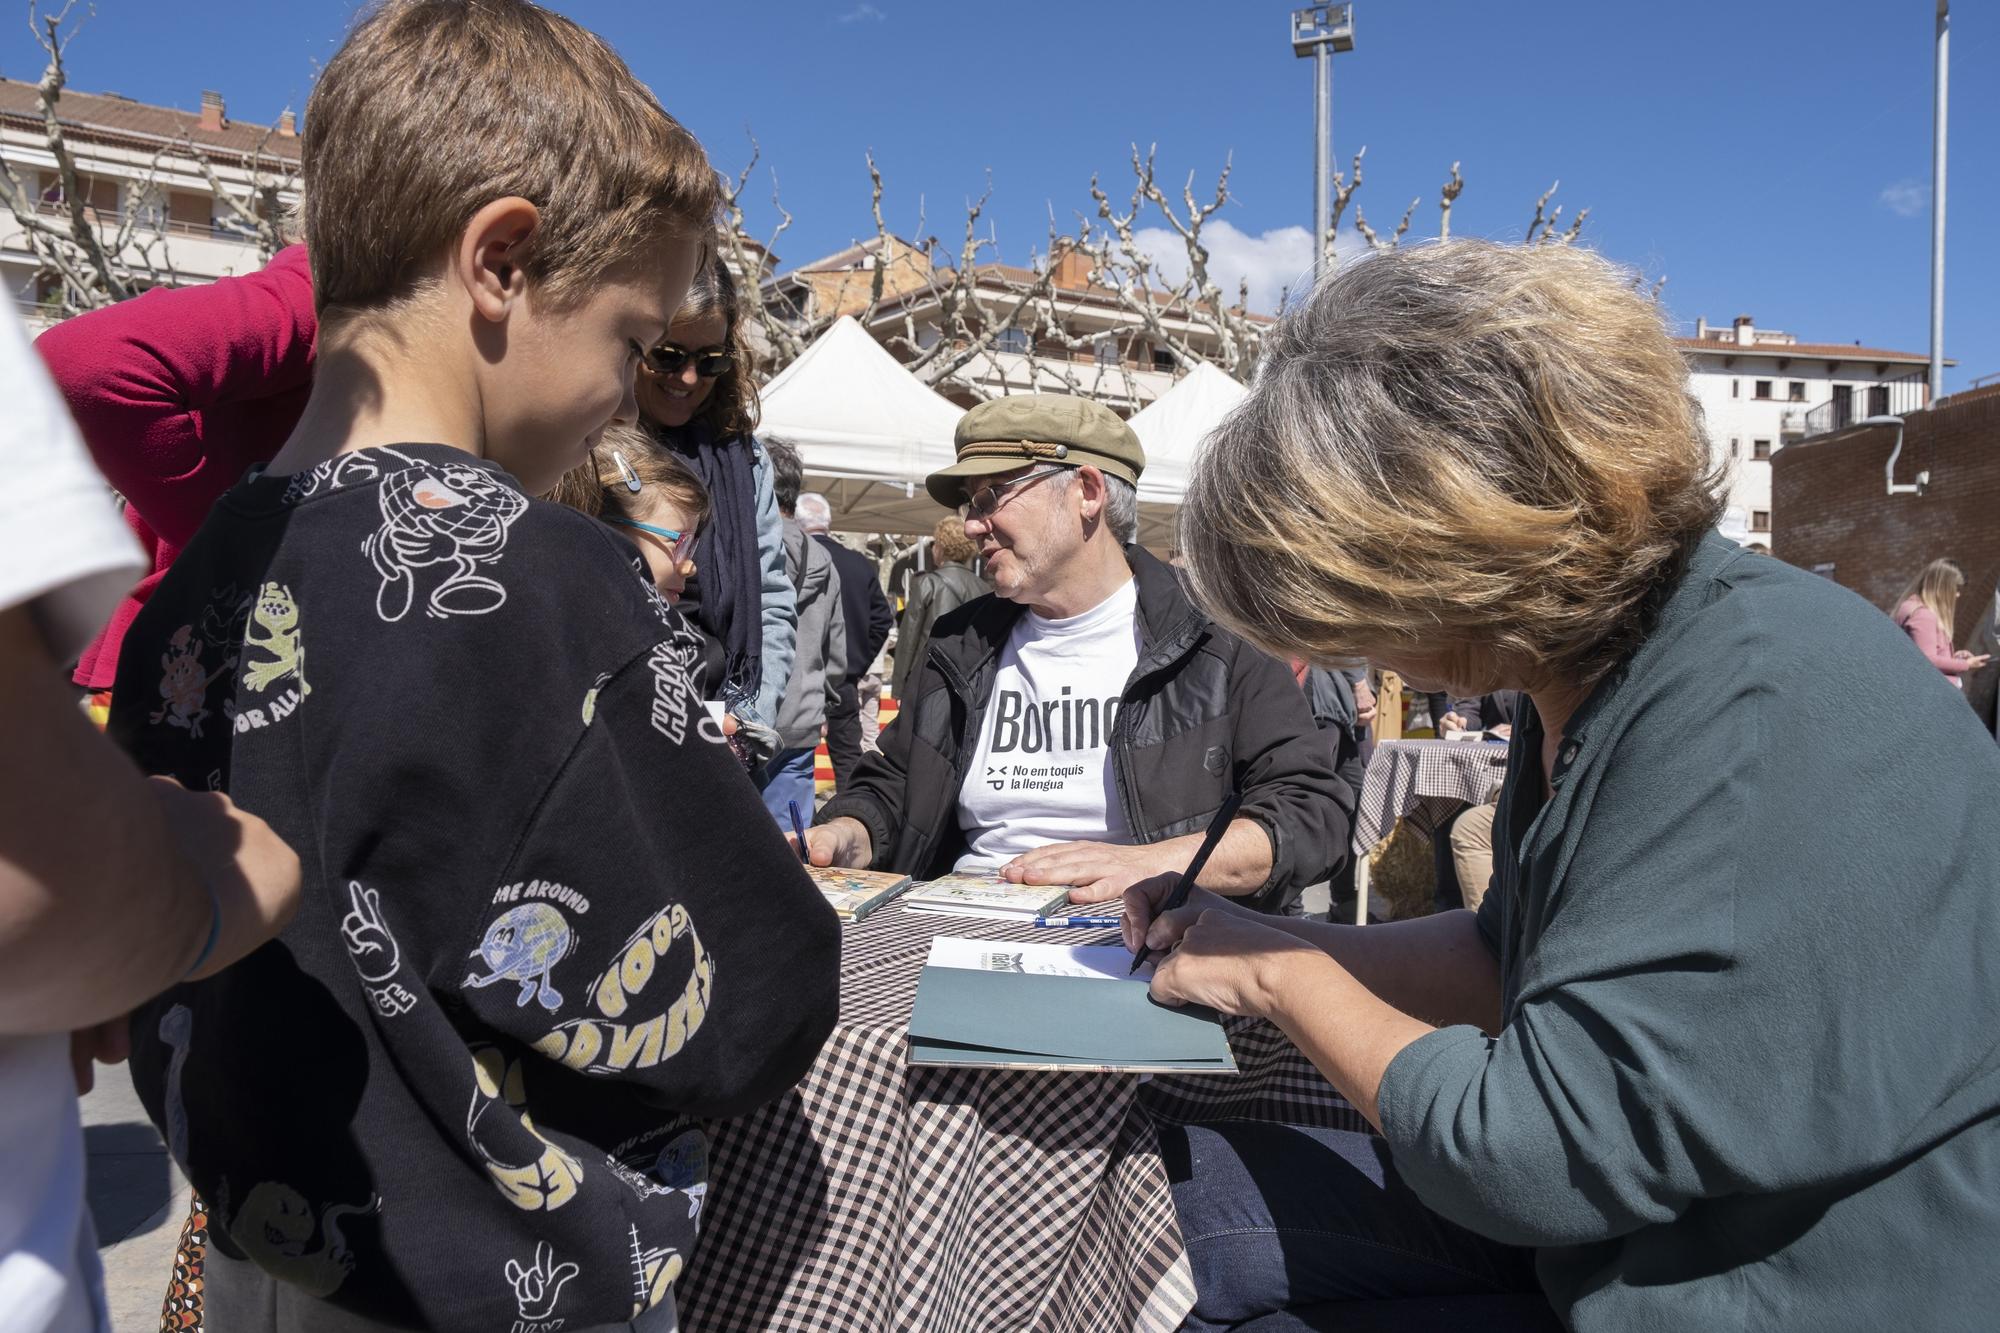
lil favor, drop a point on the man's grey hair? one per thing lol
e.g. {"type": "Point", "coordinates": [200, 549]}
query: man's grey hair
{"type": "Point", "coordinates": [813, 512]}
{"type": "Point", "coordinates": [1121, 505]}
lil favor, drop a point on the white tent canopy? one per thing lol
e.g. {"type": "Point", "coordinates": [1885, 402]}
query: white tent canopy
{"type": "Point", "coordinates": [868, 430]}
{"type": "Point", "coordinates": [1170, 429]}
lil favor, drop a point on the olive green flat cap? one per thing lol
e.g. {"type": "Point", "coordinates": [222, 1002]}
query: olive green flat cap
{"type": "Point", "coordinates": [1030, 428]}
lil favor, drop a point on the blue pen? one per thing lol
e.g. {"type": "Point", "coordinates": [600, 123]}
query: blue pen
{"type": "Point", "coordinates": [1098, 921]}
{"type": "Point", "coordinates": [799, 828]}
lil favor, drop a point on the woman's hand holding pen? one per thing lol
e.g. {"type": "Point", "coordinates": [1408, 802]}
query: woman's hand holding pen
{"type": "Point", "coordinates": [1223, 954]}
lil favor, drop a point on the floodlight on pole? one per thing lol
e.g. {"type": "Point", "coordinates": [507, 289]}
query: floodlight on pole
{"type": "Point", "coordinates": [1317, 32]}
{"type": "Point", "coordinates": [1937, 199]}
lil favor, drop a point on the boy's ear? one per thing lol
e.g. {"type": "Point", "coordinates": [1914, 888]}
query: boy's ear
{"type": "Point", "coordinates": [488, 261]}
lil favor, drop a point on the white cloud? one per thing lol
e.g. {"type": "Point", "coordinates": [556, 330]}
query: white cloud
{"type": "Point", "coordinates": [1905, 198]}
{"type": "Point", "coordinates": [1275, 261]}
{"type": "Point", "coordinates": [859, 12]}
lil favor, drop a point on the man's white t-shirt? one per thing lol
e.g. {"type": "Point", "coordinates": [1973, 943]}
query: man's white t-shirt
{"type": "Point", "coordinates": [63, 550]}
{"type": "Point", "coordinates": [1042, 770]}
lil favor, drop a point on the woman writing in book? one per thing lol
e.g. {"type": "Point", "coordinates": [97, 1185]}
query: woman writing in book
{"type": "Point", "coordinates": [1679, 1069]}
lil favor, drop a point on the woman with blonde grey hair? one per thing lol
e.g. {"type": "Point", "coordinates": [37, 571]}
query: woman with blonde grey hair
{"type": "Point", "coordinates": [1716, 1050]}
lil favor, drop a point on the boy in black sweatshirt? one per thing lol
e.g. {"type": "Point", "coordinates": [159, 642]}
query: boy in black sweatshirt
{"type": "Point", "coordinates": [546, 921]}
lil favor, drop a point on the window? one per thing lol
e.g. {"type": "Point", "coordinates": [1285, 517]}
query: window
{"type": "Point", "coordinates": [1105, 353]}
{"type": "Point", "coordinates": [1736, 388]}
{"type": "Point", "coordinates": [1763, 389]}
{"type": "Point", "coordinates": [1760, 451]}
{"type": "Point", "coordinates": [1163, 359]}
{"type": "Point", "coordinates": [1760, 520]}
{"type": "Point", "coordinates": [1735, 447]}
{"type": "Point", "coordinates": [1798, 391]}
{"type": "Point", "coordinates": [1878, 400]}
{"type": "Point", "coordinates": [1013, 340]}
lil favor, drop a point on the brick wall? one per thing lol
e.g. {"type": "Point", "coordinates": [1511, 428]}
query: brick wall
{"type": "Point", "coordinates": [1830, 503]}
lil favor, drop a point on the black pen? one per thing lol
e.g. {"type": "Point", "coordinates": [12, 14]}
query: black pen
{"type": "Point", "coordinates": [1216, 828]}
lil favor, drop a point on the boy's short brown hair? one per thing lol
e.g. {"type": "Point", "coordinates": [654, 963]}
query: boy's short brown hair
{"type": "Point", "coordinates": [432, 109]}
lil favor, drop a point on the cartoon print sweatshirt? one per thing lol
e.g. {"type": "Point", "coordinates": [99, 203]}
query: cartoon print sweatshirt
{"type": "Point", "coordinates": [546, 923]}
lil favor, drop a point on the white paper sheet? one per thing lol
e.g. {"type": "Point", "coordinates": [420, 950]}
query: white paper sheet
{"type": "Point", "coordinates": [1109, 962]}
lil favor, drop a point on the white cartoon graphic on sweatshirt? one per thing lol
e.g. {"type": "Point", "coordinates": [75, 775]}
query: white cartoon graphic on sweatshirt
{"type": "Point", "coordinates": [449, 518]}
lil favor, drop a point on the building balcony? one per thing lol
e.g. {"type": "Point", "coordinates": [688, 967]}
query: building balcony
{"type": "Point", "coordinates": [1850, 405]}
{"type": "Point", "coordinates": [182, 252]}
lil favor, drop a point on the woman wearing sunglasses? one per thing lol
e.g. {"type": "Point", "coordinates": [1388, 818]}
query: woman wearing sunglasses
{"type": "Point", "coordinates": [697, 398]}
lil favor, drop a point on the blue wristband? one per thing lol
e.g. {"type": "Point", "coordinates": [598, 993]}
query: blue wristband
{"type": "Point", "coordinates": [214, 931]}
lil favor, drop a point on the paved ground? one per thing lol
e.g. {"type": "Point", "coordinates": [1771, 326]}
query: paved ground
{"type": "Point", "coordinates": [137, 1199]}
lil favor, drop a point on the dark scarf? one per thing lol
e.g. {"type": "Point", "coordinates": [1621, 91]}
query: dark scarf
{"type": "Point", "coordinates": [725, 598]}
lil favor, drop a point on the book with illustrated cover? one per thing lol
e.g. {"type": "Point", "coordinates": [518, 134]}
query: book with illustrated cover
{"type": "Point", "coordinates": [983, 893]}
{"type": "Point", "coordinates": [853, 894]}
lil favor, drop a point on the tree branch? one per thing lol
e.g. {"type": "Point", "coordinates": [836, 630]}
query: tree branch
{"type": "Point", "coordinates": [1446, 198]}
{"type": "Point", "coordinates": [82, 223]}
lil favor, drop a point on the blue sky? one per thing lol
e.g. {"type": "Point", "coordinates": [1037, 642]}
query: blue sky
{"type": "Point", "coordinates": [1770, 158]}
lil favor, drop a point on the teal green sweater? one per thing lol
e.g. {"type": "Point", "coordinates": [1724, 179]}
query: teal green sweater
{"type": "Point", "coordinates": [1750, 954]}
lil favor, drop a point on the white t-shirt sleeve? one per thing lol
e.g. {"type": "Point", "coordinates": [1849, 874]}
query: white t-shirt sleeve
{"type": "Point", "coordinates": [59, 531]}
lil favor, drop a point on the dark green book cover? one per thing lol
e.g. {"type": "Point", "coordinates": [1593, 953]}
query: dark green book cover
{"type": "Point", "coordinates": [1012, 1020]}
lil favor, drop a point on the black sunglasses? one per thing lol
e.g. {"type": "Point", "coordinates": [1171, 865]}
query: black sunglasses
{"type": "Point", "coordinates": [667, 359]}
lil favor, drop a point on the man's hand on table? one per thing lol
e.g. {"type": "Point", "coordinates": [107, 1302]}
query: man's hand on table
{"type": "Point", "coordinates": [839, 842]}
{"type": "Point", "coordinates": [1095, 871]}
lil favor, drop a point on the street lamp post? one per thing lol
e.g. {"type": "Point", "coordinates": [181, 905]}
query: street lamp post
{"type": "Point", "coordinates": [1937, 200]}
{"type": "Point", "coordinates": [1318, 32]}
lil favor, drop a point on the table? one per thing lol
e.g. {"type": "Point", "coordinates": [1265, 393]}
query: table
{"type": "Point", "coordinates": [1421, 782]}
{"type": "Point", "coordinates": [879, 1196]}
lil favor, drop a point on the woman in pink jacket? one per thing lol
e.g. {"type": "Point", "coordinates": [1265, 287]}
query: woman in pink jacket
{"type": "Point", "coordinates": [1926, 612]}
{"type": "Point", "coordinates": [178, 392]}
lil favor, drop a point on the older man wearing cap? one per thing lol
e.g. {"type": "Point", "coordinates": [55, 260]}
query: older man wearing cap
{"type": "Point", "coordinates": [1083, 724]}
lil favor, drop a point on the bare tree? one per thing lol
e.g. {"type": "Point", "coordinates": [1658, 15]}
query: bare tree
{"type": "Point", "coordinates": [949, 321]}
{"type": "Point", "coordinates": [260, 209]}
{"type": "Point", "coordinates": [89, 257]}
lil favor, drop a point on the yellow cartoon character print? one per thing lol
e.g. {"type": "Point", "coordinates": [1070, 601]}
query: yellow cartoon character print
{"type": "Point", "coordinates": [277, 616]}
{"type": "Point", "coordinates": [275, 1227]}
{"type": "Point", "coordinates": [532, 1173]}
{"type": "Point", "coordinates": [184, 683]}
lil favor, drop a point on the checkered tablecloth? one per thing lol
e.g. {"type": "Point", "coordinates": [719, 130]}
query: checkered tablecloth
{"type": "Point", "coordinates": [1423, 781]}
{"type": "Point", "coordinates": [876, 1196]}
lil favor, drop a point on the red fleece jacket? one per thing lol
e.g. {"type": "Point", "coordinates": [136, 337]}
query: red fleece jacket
{"type": "Point", "coordinates": [178, 392]}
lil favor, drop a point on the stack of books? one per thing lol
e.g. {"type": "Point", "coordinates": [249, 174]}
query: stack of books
{"type": "Point", "coordinates": [983, 893]}
{"type": "Point", "coordinates": [853, 894]}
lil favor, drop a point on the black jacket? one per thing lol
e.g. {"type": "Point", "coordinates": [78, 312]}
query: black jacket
{"type": "Point", "coordinates": [1203, 712]}
{"type": "Point", "coordinates": [933, 595]}
{"type": "Point", "coordinates": [869, 615]}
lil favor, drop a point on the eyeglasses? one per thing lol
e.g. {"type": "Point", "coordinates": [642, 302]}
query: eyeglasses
{"type": "Point", "coordinates": [987, 502]}
{"type": "Point", "coordinates": [679, 544]}
{"type": "Point", "coordinates": [668, 358]}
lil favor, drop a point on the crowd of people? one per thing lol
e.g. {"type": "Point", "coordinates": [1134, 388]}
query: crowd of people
{"type": "Point", "coordinates": [433, 948]}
